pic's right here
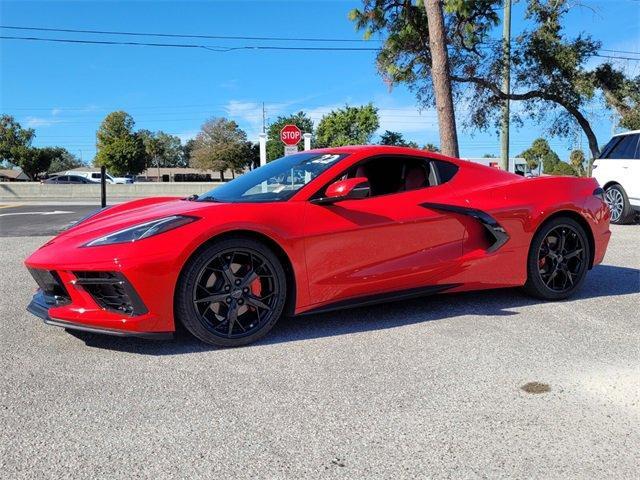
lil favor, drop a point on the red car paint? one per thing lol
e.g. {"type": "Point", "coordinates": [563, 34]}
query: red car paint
{"type": "Point", "coordinates": [338, 252]}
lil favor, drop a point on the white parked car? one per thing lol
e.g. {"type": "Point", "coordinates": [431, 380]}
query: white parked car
{"type": "Point", "coordinates": [618, 173]}
{"type": "Point", "coordinates": [95, 176]}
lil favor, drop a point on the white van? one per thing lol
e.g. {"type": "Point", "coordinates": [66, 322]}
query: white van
{"type": "Point", "coordinates": [618, 173]}
{"type": "Point", "coordinates": [95, 176]}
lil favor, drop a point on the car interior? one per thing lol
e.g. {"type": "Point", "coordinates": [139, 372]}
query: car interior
{"type": "Point", "coordinates": [394, 174]}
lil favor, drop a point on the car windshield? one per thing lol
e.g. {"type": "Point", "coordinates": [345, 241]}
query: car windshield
{"type": "Point", "coordinates": [276, 181]}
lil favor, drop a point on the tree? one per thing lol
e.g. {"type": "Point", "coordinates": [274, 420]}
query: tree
{"type": "Point", "coordinates": [489, 155]}
{"type": "Point", "coordinates": [550, 72]}
{"type": "Point", "coordinates": [163, 149]}
{"type": "Point", "coordinates": [275, 148]}
{"type": "Point", "coordinates": [430, 147]}
{"type": "Point", "coordinates": [563, 168]}
{"type": "Point", "coordinates": [152, 149]}
{"type": "Point", "coordinates": [621, 93]}
{"type": "Point", "coordinates": [221, 145]}
{"type": "Point", "coordinates": [35, 161]}
{"type": "Point", "coordinates": [347, 126]}
{"type": "Point", "coordinates": [540, 152]}
{"type": "Point", "coordinates": [187, 148]}
{"type": "Point", "coordinates": [441, 77]}
{"type": "Point", "coordinates": [392, 138]}
{"type": "Point", "coordinates": [577, 161]}
{"type": "Point", "coordinates": [14, 140]}
{"type": "Point", "coordinates": [120, 149]}
{"type": "Point", "coordinates": [62, 160]}
{"type": "Point", "coordinates": [122, 156]}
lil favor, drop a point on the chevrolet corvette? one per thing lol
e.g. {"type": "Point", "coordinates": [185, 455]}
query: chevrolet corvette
{"type": "Point", "coordinates": [317, 231]}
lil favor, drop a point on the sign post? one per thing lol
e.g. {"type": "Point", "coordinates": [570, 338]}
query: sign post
{"type": "Point", "coordinates": [290, 135]}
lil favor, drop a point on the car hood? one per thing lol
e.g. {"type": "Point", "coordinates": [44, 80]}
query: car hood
{"type": "Point", "coordinates": [138, 211]}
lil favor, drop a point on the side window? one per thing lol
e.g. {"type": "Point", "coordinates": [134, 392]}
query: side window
{"type": "Point", "coordinates": [62, 179]}
{"type": "Point", "coordinates": [609, 146]}
{"type": "Point", "coordinates": [95, 175]}
{"type": "Point", "coordinates": [396, 174]}
{"type": "Point", "coordinates": [625, 149]}
{"type": "Point", "coordinates": [446, 170]}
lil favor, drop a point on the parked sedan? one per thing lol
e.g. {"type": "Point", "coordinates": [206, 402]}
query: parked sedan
{"type": "Point", "coordinates": [69, 179]}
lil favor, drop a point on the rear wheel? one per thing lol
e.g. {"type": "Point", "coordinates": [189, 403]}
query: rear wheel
{"type": "Point", "coordinates": [621, 211]}
{"type": "Point", "coordinates": [232, 293]}
{"type": "Point", "coordinates": [558, 260]}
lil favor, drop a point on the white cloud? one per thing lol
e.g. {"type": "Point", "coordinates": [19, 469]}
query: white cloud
{"type": "Point", "coordinates": [186, 136]}
{"type": "Point", "coordinates": [406, 119]}
{"type": "Point", "coordinates": [249, 114]}
{"type": "Point", "coordinates": [40, 122]}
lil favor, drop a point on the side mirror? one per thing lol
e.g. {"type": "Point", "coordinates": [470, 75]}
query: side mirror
{"type": "Point", "coordinates": [350, 189]}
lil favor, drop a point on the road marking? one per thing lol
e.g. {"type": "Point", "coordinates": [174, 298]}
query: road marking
{"type": "Point", "coordinates": [53, 212]}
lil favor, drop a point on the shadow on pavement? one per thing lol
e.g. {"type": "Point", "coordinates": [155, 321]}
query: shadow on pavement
{"type": "Point", "coordinates": [602, 281]}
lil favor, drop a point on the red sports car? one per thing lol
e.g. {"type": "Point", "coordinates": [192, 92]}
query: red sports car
{"type": "Point", "coordinates": [316, 231]}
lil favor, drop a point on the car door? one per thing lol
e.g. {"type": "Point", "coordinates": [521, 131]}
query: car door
{"type": "Point", "coordinates": [615, 163]}
{"type": "Point", "coordinates": [358, 248]}
{"type": "Point", "coordinates": [633, 169]}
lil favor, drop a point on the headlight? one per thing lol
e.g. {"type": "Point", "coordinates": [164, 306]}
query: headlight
{"type": "Point", "coordinates": [143, 230]}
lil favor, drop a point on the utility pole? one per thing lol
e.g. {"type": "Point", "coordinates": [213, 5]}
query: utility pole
{"type": "Point", "coordinates": [506, 84]}
{"type": "Point", "coordinates": [441, 78]}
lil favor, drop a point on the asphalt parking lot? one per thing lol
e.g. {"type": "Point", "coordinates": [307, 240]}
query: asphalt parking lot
{"type": "Point", "coordinates": [39, 220]}
{"type": "Point", "coordinates": [429, 388]}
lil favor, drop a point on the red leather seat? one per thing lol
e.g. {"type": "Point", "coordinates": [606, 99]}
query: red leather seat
{"type": "Point", "coordinates": [415, 178]}
{"type": "Point", "coordinates": [361, 171]}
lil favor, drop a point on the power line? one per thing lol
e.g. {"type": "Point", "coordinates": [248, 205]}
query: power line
{"type": "Point", "coordinates": [213, 48]}
{"type": "Point", "coordinates": [222, 49]}
{"type": "Point", "coordinates": [617, 57]}
{"type": "Point", "coordinates": [180, 35]}
{"type": "Point", "coordinates": [224, 37]}
{"type": "Point", "coordinates": [619, 51]}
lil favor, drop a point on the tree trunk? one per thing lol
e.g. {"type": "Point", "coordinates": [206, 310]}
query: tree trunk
{"type": "Point", "coordinates": [441, 79]}
{"type": "Point", "coordinates": [222, 175]}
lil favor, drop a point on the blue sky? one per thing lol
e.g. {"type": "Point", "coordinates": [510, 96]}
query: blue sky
{"type": "Point", "coordinates": [64, 90]}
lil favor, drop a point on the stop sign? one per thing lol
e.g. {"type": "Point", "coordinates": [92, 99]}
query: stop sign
{"type": "Point", "coordinates": [290, 135]}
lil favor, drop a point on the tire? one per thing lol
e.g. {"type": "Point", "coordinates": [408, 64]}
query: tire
{"type": "Point", "coordinates": [221, 302]}
{"type": "Point", "coordinates": [621, 211]}
{"type": "Point", "coordinates": [548, 255]}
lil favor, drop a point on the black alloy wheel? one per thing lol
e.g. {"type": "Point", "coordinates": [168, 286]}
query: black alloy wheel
{"type": "Point", "coordinates": [558, 260]}
{"type": "Point", "coordinates": [236, 291]}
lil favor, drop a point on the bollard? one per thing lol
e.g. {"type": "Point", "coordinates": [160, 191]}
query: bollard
{"type": "Point", "coordinates": [103, 186]}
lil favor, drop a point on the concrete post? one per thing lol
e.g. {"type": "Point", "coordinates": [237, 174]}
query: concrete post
{"type": "Point", "coordinates": [263, 148]}
{"type": "Point", "coordinates": [307, 141]}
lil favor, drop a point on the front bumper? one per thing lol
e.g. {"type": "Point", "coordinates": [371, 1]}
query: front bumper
{"type": "Point", "coordinates": [40, 306]}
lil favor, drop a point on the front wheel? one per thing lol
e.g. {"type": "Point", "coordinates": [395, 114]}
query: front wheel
{"type": "Point", "coordinates": [558, 260]}
{"type": "Point", "coordinates": [231, 293]}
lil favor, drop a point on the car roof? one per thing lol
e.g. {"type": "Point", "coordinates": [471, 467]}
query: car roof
{"type": "Point", "coordinates": [385, 149]}
{"type": "Point", "coordinates": [631, 132]}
